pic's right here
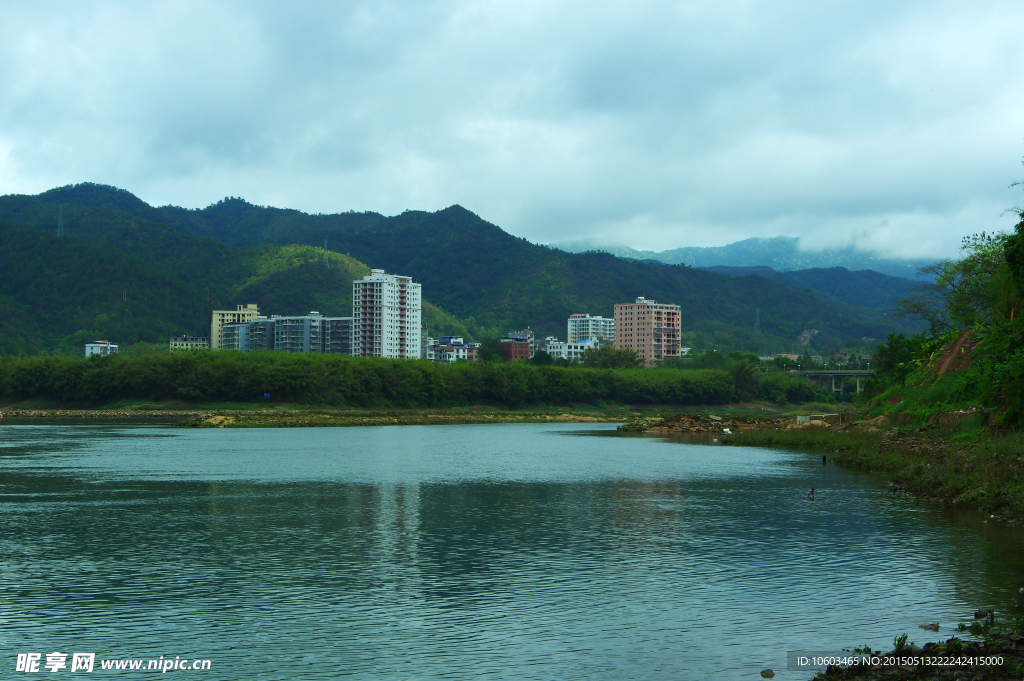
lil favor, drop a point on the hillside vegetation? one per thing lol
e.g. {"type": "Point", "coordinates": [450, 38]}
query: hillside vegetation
{"type": "Point", "coordinates": [56, 294]}
{"type": "Point", "coordinates": [972, 358]}
{"type": "Point", "coordinates": [866, 288]}
{"type": "Point", "coordinates": [480, 281]}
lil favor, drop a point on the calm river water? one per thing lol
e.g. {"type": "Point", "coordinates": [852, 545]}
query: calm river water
{"type": "Point", "coordinates": [463, 552]}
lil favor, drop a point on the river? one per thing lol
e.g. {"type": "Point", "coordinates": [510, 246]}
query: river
{"type": "Point", "coordinates": [464, 552]}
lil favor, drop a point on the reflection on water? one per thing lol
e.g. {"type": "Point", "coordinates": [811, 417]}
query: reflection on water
{"type": "Point", "coordinates": [520, 552]}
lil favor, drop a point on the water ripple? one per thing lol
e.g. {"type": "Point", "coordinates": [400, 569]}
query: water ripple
{"type": "Point", "coordinates": [511, 552]}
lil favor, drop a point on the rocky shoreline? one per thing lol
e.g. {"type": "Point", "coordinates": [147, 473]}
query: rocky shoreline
{"type": "Point", "coordinates": [278, 419]}
{"type": "Point", "coordinates": [107, 413]}
{"type": "Point", "coordinates": [707, 423]}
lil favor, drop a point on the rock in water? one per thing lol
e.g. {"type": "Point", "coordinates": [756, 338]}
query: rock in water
{"type": "Point", "coordinates": [768, 674]}
{"type": "Point", "coordinates": [931, 626]}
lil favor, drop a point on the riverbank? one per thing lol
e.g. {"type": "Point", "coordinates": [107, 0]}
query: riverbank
{"type": "Point", "coordinates": [979, 471]}
{"type": "Point", "coordinates": [307, 419]}
{"type": "Point", "coordinates": [117, 414]}
{"type": "Point", "coordinates": [304, 418]}
{"type": "Point", "coordinates": [951, 460]}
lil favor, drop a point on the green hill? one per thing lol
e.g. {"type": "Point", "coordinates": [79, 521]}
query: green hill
{"type": "Point", "coordinates": [57, 293]}
{"type": "Point", "coordinates": [482, 280]}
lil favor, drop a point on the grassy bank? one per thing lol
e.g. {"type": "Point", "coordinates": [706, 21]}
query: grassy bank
{"type": "Point", "coordinates": [962, 467]}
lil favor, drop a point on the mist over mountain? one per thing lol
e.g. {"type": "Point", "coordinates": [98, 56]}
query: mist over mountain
{"type": "Point", "coordinates": [779, 253]}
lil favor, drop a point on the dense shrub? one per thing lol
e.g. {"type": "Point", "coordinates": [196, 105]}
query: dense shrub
{"type": "Point", "coordinates": [341, 380]}
{"type": "Point", "coordinates": [795, 388]}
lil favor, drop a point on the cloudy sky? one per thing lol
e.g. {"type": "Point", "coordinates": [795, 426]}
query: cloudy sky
{"type": "Point", "coordinates": [894, 126]}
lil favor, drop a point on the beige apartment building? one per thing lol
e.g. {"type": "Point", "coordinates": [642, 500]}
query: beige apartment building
{"type": "Point", "coordinates": [650, 328]}
{"type": "Point", "coordinates": [242, 313]}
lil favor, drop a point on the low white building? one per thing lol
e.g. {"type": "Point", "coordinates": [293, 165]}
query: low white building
{"type": "Point", "coordinates": [571, 351]}
{"type": "Point", "coordinates": [100, 347]}
{"type": "Point", "coordinates": [452, 349]}
{"type": "Point", "coordinates": [583, 327]}
{"type": "Point", "coordinates": [542, 345]}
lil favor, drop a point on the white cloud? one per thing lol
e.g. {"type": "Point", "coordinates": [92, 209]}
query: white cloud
{"type": "Point", "coordinates": [895, 127]}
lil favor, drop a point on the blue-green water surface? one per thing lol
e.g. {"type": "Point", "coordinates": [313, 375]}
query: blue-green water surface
{"type": "Point", "coordinates": [466, 552]}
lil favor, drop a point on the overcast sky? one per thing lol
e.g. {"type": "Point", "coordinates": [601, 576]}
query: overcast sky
{"type": "Point", "coordinates": [894, 126]}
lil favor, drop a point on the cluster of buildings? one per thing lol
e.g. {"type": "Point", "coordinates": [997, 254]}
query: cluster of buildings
{"type": "Point", "coordinates": [652, 329]}
{"type": "Point", "coordinates": [386, 321]}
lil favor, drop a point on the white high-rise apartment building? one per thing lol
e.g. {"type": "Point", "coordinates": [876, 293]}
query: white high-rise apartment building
{"type": "Point", "coordinates": [386, 313]}
{"type": "Point", "coordinates": [583, 327]}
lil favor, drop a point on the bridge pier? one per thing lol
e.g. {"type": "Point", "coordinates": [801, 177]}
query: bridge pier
{"type": "Point", "coordinates": [817, 377]}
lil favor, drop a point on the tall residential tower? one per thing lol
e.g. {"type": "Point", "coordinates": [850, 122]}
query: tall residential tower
{"type": "Point", "coordinates": [386, 315]}
{"type": "Point", "coordinates": [650, 328]}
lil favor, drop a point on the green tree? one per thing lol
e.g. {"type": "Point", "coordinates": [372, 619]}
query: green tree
{"type": "Point", "coordinates": [746, 377]}
{"type": "Point", "coordinates": [895, 357]}
{"type": "Point", "coordinates": [966, 292]}
{"type": "Point", "coordinates": [1014, 246]}
{"type": "Point", "coordinates": [490, 350]}
{"type": "Point", "coordinates": [541, 358]}
{"type": "Point", "coordinates": [612, 358]}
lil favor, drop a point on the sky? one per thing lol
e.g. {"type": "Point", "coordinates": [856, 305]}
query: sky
{"type": "Point", "coordinates": [894, 127]}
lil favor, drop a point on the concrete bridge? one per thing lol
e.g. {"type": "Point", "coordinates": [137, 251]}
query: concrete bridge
{"type": "Point", "coordinates": [832, 373]}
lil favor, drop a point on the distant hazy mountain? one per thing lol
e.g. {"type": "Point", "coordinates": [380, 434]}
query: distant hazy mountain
{"type": "Point", "coordinates": [866, 288]}
{"type": "Point", "coordinates": [780, 253]}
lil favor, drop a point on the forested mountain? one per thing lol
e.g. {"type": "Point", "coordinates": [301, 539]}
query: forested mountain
{"type": "Point", "coordinates": [492, 280]}
{"type": "Point", "coordinates": [866, 288]}
{"type": "Point", "coordinates": [57, 293]}
{"type": "Point", "coordinates": [779, 253]}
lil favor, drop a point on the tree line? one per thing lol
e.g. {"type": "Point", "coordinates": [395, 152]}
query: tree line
{"type": "Point", "coordinates": [340, 380]}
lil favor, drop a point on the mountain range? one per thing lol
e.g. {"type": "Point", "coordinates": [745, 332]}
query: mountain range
{"type": "Point", "coordinates": [779, 253]}
{"type": "Point", "coordinates": [131, 272]}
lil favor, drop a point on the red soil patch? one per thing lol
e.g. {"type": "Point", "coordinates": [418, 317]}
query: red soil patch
{"type": "Point", "coordinates": [956, 356]}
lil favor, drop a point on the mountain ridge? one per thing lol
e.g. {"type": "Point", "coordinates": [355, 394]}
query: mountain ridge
{"type": "Point", "coordinates": [483, 279]}
{"type": "Point", "coordinates": [781, 253]}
